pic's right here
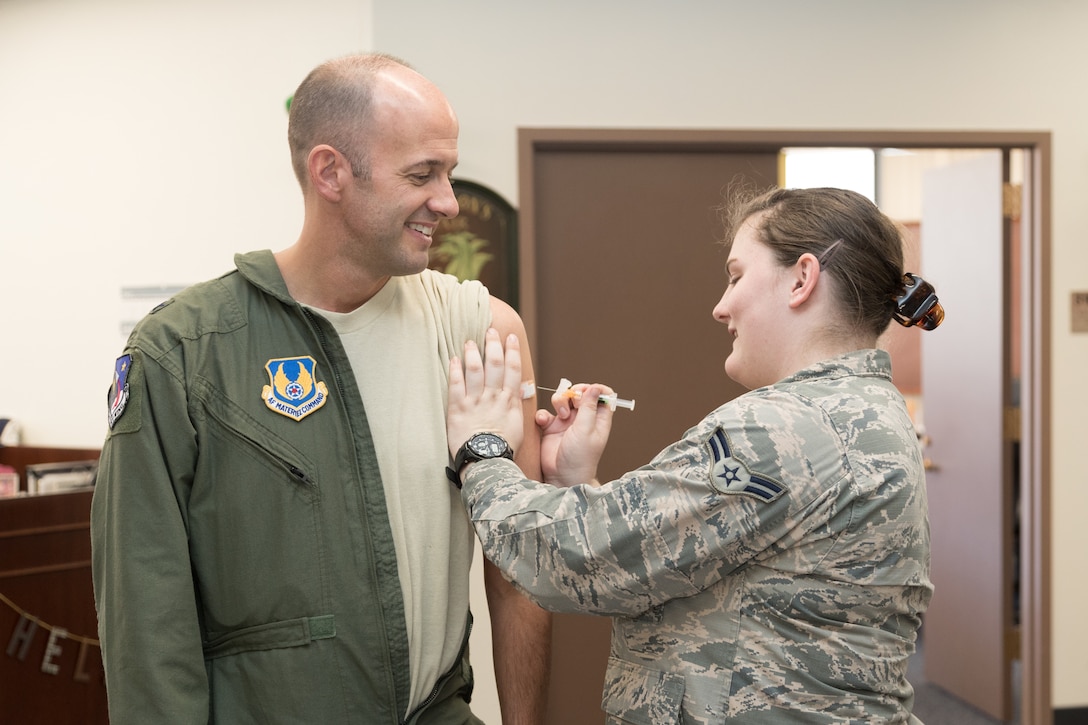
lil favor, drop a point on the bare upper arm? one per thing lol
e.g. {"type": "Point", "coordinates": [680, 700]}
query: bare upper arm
{"type": "Point", "coordinates": [507, 321]}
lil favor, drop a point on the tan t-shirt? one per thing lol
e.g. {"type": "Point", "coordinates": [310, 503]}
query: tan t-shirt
{"type": "Point", "coordinates": [400, 343]}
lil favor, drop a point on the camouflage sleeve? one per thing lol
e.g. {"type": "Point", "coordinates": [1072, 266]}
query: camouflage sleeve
{"type": "Point", "coordinates": [702, 508]}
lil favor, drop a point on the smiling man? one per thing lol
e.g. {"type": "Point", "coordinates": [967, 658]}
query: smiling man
{"type": "Point", "coordinates": [274, 538]}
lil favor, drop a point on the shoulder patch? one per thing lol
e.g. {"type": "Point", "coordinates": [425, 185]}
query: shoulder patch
{"type": "Point", "coordinates": [729, 475]}
{"type": "Point", "coordinates": [119, 389]}
{"type": "Point", "coordinates": [293, 389]}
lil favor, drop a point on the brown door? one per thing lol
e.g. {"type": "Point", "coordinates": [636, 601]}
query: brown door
{"type": "Point", "coordinates": [965, 366]}
{"type": "Point", "coordinates": [627, 270]}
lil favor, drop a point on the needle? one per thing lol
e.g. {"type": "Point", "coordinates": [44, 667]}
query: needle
{"type": "Point", "coordinates": [612, 401]}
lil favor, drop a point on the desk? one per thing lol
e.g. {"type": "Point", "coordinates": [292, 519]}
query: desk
{"type": "Point", "coordinates": [45, 582]}
{"type": "Point", "coordinates": [19, 457]}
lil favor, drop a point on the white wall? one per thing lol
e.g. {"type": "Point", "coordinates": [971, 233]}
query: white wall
{"type": "Point", "coordinates": [140, 143]}
{"type": "Point", "coordinates": [144, 142]}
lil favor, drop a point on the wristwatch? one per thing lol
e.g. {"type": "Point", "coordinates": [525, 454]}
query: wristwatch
{"type": "Point", "coordinates": [477, 448]}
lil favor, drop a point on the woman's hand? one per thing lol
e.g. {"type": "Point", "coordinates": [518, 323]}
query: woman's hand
{"type": "Point", "coordinates": [574, 438]}
{"type": "Point", "coordinates": [486, 396]}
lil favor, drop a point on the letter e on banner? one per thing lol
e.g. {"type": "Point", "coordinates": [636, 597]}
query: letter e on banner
{"type": "Point", "coordinates": [52, 649]}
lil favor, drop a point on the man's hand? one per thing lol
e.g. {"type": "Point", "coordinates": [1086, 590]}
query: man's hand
{"type": "Point", "coordinates": [486, 394]}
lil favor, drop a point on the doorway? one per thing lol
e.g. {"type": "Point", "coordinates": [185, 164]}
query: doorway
{"type": "Point", "coordinates": [961, 235]}
{"type": "Point", "coordinates": [621, 243]}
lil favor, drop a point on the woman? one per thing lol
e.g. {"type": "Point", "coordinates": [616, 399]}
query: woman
{"type": "Point", "coordinates": [773, 565]}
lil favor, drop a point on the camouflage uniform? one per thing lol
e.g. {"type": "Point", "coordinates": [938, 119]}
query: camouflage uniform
{"type": "Point", "coordinates": [772, 566]}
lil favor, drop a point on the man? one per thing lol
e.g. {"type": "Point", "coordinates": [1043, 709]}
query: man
{"type": "Point", "coordinates": [273, 536]}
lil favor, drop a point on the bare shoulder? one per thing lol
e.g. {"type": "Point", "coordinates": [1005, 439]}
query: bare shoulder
{"type": "Point", "coordinates": [505, 319]}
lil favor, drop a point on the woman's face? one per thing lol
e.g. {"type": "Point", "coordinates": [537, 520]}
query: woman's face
{"type": "Point", "coordinates": [754, 308]}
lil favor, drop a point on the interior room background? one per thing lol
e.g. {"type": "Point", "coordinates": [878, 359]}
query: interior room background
{"type": "Point", "coordinates": [144, 143]}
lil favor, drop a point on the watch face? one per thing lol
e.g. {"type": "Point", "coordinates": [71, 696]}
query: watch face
{"type": "Point", "coordinates": [487, 445]}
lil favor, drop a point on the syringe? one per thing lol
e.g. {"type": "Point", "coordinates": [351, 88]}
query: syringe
{"type": "Point", "coordinates": [612, 401]}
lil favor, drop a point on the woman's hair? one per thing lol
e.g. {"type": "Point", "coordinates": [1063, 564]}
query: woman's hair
{"type": "Point", "coordinates": [332, 106]}
{"type": "Point", "coordinates": [860, 247]}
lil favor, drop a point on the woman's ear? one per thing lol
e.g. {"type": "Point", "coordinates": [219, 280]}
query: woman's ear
{"type": "Point", "coordinates": [328, 171]}
{"type": "Point", "coordinates": [806, 274]}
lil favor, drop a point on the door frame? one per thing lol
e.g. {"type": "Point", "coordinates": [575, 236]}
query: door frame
{"type": "Point", "coordinates": [1035, 463]}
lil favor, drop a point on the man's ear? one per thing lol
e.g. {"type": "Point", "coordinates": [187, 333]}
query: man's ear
{"type": "Point", "coordinates": [329, 171]}
{"type": "Point", "coordinates": [806, 273]}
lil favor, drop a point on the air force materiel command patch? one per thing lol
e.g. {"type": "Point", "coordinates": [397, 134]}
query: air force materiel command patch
{"type": "Point", "coordinates": [119, 391]}
{"type": "Point", "coordinates": [294, 391]}
{"type": "Point", "coordinates": [729, 475]}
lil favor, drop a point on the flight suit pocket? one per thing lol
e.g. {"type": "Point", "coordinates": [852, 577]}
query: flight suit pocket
{"type": "Point", "coordinates": [238, 435]}
{"type": "Point", "coordinates": [257, 544]}
{"type": "Point", "coordinates": [274, 635]}
{"type": "Point", "coordinates": [641, 695]}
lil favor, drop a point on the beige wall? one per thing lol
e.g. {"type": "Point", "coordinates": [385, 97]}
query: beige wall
{"type": "Point", "coordinates": [143, 143]}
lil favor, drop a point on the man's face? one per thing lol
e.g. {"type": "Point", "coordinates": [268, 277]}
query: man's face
{"type": "Point", "coordinates": [411, 153]}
